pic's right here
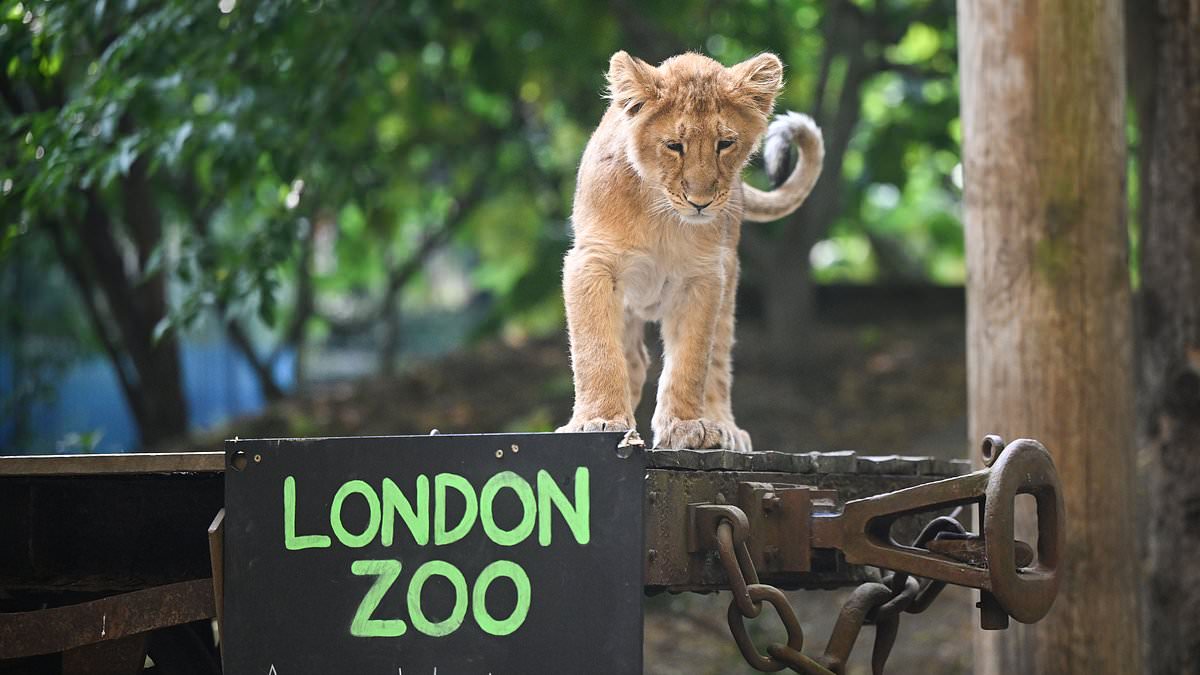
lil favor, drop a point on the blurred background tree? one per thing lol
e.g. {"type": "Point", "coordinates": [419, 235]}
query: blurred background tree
{"type": "Point", "coordinates": [297, 175]}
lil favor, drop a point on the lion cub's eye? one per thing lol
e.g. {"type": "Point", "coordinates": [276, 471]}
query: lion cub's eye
{"type": "Point", "coordinates": [724, 143]}
{"type": "Point", "coordinates": [675, 147]}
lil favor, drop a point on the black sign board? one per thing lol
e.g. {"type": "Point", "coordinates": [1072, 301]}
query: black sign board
{"type": "Point", "coordinates": [507, 554]}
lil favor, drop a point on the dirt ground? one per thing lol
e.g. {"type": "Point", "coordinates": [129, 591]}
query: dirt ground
{"type": "Point", "coordinates": [884, 388]}
{"type": "Point", "coordinates": [895, 386]}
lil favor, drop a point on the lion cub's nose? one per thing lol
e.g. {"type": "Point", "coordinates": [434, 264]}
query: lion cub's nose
{"type": "Point", "coordinates": [699, 207]}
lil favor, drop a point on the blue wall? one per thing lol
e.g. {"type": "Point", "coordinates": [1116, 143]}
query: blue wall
{"type": "Point", "coordinates": [219, 385]}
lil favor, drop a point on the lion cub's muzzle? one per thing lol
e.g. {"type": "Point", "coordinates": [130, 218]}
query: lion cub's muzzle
{"type": "Point", "coordinates": [700, 209]}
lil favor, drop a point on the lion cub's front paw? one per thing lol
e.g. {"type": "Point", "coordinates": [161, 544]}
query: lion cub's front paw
{"type": "Point", "coordinates": [741, 440]}
{"type": "Point", "coordinates": [700, 434]}
{"type": "Point", "coordinates": [595, 424]}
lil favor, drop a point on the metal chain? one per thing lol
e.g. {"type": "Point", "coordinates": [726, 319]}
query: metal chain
{"type": "Point", "coordinates": [875, 602]}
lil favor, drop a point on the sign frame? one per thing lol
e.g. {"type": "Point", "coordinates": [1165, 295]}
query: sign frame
{"type": "Point", "coordinates": [351, 555]}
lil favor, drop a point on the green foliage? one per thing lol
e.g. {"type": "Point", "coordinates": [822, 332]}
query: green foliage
{"type": "Point", "coordinates": [356, 131]}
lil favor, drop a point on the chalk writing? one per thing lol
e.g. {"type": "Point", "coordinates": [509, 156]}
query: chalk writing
{"type": "Point", "coordinates": [537, 504]}
{"type": "Point", "coordinates": [386, 573]}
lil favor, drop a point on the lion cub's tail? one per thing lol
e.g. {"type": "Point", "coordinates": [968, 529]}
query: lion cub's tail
{"type": "Point", "coordinates": [763, 207]}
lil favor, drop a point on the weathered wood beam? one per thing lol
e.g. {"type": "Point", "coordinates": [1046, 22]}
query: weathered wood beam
{"type": "Point", "coordinates": [1049, 319]}
{"type": "Point", "coordinates": [59, 629]}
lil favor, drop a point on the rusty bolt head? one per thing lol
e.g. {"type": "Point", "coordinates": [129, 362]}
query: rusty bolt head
{"type": "Point", "coordinates": [992, 446]}
{"type": "Point", "coordinates": [770, 501]}
{"type": "Point", "coordinates": [770, 554]}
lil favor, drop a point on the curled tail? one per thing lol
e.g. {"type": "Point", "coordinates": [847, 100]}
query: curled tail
{"type": "Point", "coordinates": [788, 128]}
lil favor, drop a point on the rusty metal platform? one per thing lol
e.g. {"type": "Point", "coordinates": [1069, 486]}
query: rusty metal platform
{"type": "Point", "coordinates": [87, 537]}
{"type": "Point", "coordinates": [678, 478]}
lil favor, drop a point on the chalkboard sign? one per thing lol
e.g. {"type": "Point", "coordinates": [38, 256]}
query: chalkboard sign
{"type": "Point", "coordinates": [508, 554]}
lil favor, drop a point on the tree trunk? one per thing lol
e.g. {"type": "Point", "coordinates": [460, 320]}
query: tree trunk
{"type": "Point", "coordinates": [1049, 318]}
{"type": "Point", "coordinates": [202, 212]}
{"type": "Point", "coordinates": [160, 373]}
{"type": "Point", "coordinates": [123, 302]}
{"type": "Point", "coordinates": [124, 310]}
{"type": "Point", "coordinates": [296, 334]}
{"type": "Point", "coordinates": [270, 389]}
{"type": "Point", "coordinates": [788, 277]}
{"type": "Point", "coordinates": [402, 273]}
{"type": "Point", "coordinates": [789, 302]}
{"type": "Point", "coordinates": [1169, 334]}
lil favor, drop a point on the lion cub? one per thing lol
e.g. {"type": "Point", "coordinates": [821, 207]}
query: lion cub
{"type": "Point", "coordinates": [657, 217]}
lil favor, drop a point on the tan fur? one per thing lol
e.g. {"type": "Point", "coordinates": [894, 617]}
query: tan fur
{"type": "Point", "coordinates": [645, 251]}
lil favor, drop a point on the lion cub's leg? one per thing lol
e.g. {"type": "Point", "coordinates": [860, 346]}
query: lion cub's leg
{"type": "Point", "coordinates": [718, 402]}
{"type": "Point", "coordinates": [595, 323]}
{"type": "Point", "coordinates": [688, 333]}
{"type": "Point", "coordinates": [637, 358]}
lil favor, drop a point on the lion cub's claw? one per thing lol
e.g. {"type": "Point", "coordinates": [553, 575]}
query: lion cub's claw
{"type": "Point", "coordinates": [701, 434]}
{"type": "Point", "coordinates": [595, 424]}
{"type": "Point", "coordinates": [741, 440]}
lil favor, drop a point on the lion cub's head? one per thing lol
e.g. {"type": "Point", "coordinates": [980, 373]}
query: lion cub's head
{"type": "Point", "coordinates": [693, 124]}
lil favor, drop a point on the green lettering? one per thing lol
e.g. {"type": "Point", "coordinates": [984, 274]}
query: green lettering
{"type": "Point", "coordinates": [456, 578]}
{"type": "Point", "coordinates": [442, 481]}
{"type": "Point", "coordinates": [577, 515]}
{"type": "Point", "coordinates": [335, 514]}
{"type": "Point", "coordinates": [489, 624]}
{"type": "Point", "coordinates": [386, 573]}
{"type": "Point", "coordinates": [417, 520]}
{"type": "Point", "coordinates": [290, 540]}
{"type": "Point", "coordinates": [502, 537]}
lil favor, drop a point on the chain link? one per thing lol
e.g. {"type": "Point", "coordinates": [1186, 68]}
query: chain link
{"type": "Point", "coordinates": [876, 602]}
{"type": "Point", "coordinates": [739, 568]}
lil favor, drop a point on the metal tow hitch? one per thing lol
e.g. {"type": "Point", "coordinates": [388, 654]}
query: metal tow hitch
{"type": "Point", "coordinates": [782, 527]}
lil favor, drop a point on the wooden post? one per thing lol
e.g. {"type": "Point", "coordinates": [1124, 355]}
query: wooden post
{"type": "Point", "coordinates": [1049, 317]}
{"type": "Point", "coordinates": [1169, 323]}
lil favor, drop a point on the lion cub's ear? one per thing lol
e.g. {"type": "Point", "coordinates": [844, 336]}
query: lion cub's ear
{"type": "Point", "coordinates": [756, 82]}
{"type": "Point", "coordinates": [631, 82]}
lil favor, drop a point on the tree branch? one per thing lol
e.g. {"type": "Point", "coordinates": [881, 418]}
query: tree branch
{"type": "Point", "coordinates": [646, 41]}
{"type": "Point", "coordinates": [882, 64]}
{"type": "Point", "coordinates": [293, 334]}
{"type": "Point", "coordinates": [827, 52]}
{"type": "Point", "coordinates": [203, 211]}
{"type": "Point", "coordinates": [401, 275]}
{"type": "Point", "coordinates": [77, 269]}
{"type": "Point", "coordinates": [9, 94]}
{"type": "Point", "coordinates": [818, 211]}
{"type": "Point", "coordinates": [266, 379]}
{"type": "Point", "coordinates": [107, 268]}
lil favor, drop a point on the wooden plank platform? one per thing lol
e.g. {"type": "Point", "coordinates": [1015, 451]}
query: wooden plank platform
{"type": "Point", "coordinates": [112, 464]}
{"type": "Point", "coordinates": [689, 460]}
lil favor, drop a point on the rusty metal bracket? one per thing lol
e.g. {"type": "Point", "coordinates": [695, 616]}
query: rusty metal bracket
{"type": "Point", "coordinates": [779, 514]}
{"type": "Point", "coordinates": [772, 518]}
{"type": "Point", "coordinates": [782, 525]}
{"type": "Point", "coordinates": [1024, 591]}
{"type": "Point", "coordinates": [703, 520]}
{"type": "Point", "coordinates": [774, 527]}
